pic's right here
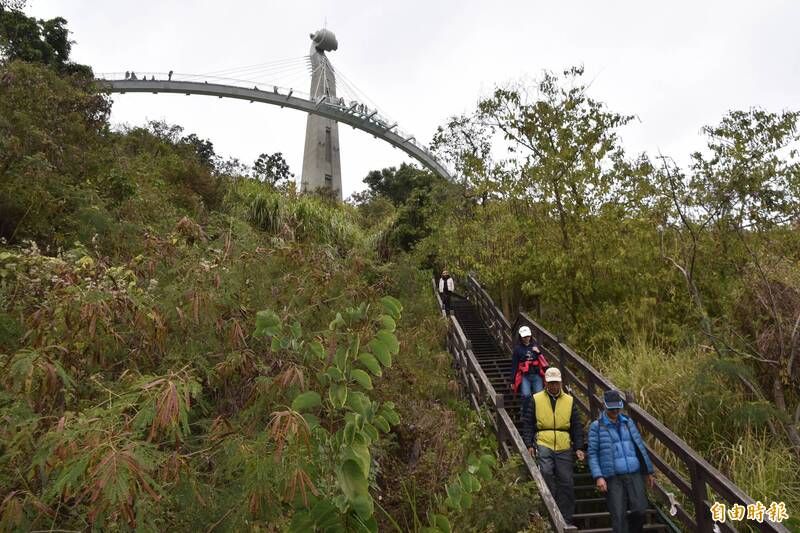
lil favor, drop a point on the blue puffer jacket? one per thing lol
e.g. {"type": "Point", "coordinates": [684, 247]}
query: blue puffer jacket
{"type": "Point", "coordinates": [616, 449]}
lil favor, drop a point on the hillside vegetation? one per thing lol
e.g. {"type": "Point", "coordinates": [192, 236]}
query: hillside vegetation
{"type": "Point", "coordinates": [188, 348]}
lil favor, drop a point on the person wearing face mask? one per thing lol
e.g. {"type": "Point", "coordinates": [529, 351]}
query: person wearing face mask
{"type": "Point", "coordinates": [620, 465]}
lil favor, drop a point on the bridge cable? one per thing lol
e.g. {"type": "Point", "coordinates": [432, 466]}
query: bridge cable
{"type": "Point", "coordinates": [254, 66]}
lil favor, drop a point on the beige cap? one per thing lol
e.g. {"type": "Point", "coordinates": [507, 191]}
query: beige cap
{"type": "Point", "coordinates": [552, 374]}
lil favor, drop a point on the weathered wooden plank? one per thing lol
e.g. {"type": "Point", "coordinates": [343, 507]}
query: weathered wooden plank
{"type": "Point", "coordinates": [473, 385]}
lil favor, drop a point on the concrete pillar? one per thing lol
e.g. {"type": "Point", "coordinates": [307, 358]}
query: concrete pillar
{"type": "Point", "coordinates": [321, 166]}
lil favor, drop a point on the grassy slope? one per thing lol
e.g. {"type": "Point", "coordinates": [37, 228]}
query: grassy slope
{"type": "Point", "coordinates": [167, 296]}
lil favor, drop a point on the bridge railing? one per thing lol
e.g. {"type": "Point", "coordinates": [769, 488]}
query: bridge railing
{"type": "Point", "coordinates": [340, 105]}
{"type": "Point", "coordinates": [586, 384]}
{"type": "Point", "coordinates": [479, 391]}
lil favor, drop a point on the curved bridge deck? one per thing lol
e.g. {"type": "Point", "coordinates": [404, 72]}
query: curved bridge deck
{"type": "Point", "coordinates": [480, 340]}
{"type": "Point", "coordinates": [336, 109]}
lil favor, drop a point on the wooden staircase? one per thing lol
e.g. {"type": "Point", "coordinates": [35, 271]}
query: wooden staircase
{"type": "Point", "coordinates": [591, 514]}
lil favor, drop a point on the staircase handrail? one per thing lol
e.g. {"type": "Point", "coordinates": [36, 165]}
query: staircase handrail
{"type": "Point", "coordinates": [702, 475]}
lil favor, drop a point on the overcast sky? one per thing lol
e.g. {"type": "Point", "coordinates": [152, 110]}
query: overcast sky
{"type": "Point", "coordinates": [677, 65]}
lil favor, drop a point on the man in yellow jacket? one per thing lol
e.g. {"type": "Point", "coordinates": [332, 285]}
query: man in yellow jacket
{"type": "Point", "coordinates": [555, 425]}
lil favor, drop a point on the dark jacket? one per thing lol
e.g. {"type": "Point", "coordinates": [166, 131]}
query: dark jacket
{"type": "Point", "coordinates": [616, 449]}
{"type": "Point", "coordinates": [528, 420]}
{"type": "Point", "coordinates": [521, 354]}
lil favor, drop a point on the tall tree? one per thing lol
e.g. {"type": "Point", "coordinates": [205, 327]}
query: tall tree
{"type": "Point", "coordinates": [732, 229]}
{"type": "Point", "coordinates": [398, 184]}
{"type": "Point", "coordinates": [37, 41]}
{"type": "Point", "coordinates": [272, 169]}
{"type": "Point", "coordinates": [567, 166]}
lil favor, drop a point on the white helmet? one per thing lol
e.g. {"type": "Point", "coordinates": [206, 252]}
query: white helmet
{"type": "Point", "coordinates": [524, 331]}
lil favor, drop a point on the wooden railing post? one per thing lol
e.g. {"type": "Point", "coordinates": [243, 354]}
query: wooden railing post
{"type": "Point", "coordinates": [561, 356]}
{"type": "Point", "coordinates": [702, 516]}
{"type": "Point", "coordinates": [499, 403]}
{"type": "Point", "coordinates": [594, 408]}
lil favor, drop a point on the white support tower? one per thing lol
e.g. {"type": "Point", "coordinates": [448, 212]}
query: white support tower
{"type": "Point", "coordinates": [321, 165]}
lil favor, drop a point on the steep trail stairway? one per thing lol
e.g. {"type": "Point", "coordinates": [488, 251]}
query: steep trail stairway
{"type": "Point", "coordinates": [591, 514]}
{"type": "Point", "coordinates": [480, 339]}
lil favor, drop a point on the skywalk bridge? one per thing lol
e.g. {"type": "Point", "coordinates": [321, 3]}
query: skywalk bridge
{"type": "Point", "coordinates": [342, 109]}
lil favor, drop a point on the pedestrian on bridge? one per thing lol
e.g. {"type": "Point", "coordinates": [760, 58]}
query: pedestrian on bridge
{"type": "Point", "coordinates": [446, 288]}
{"type": "Point", "coordinates": [556, 428]}
{"type": "Point", "coordinates": [620, 465]}
{"type": "Point", "coordinates": [169, 76]}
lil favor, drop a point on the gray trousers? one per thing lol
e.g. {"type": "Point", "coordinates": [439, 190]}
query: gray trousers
{"type": "Point", "coordinates": [626, 492]}
{"type": "Point", "coordinates": [557, 471]}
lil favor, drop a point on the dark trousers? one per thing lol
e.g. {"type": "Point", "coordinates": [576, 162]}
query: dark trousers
{"type": "Point", "coordinates": [446, 302]}
{"type": "Point", "coordinates": [556, 468]}
{"type": "Point", "coordinates": [626, 492]}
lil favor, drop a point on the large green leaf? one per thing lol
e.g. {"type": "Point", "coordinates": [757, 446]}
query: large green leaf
{"type": "Point", "coordinates": [389, 340]}
{"type": "Point", "coordinates": [381, 352]}
{"type": "Point", "coordinates": [390, 415]}
{"type": "Point", "coordinates": [340, 359]}
{"type": "Point", "coordinates": [438, 523]}
{"type": "Point", "coordinates": [335, 374]}
{"type": "Point", "coordinates": [358, 402]}
{"type": "Point", "coordinates": [338, 394]}
{"type": "Point", "coordinates": [351, 479]}
{"type": "Point", "coordinates": [371, 432]}
{"type": "Point", "coordinates": [392, 306]}
{"type": "Point", "coordinates": [469, 482]}
{"type": "Point", "coordinates": [489, 460]}
{"type": "Point", "coordinates": [349, 432]}
{"type": "Point", "coordinates": [306, 401]}
{"type": "Point", "coordinates": [388, 323]}
{"type": "Point", "coordinates": [267, 323]}
{"type": "Point", "coordinates": [325, 516]}
{"type": "Point", "coordinates": [362, 378]}
{"type": "Point", "coordinates": [354, 345]}
{"type": "Point", "coordinates": [316, 348]}
{"type": "Point", "coordinates": [454, 494]}
{"type": "Point", "coordinates": [359, 452]}
{"type": "Point", "coordinates": [363, 506]}
{"type": "Point", "coordinates": [381, 424]}
{"type": "Point", "coordinates": [370, 363]}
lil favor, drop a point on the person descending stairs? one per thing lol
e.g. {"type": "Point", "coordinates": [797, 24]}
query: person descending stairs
{"type": "Point", "coordinates": [591, 512]}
